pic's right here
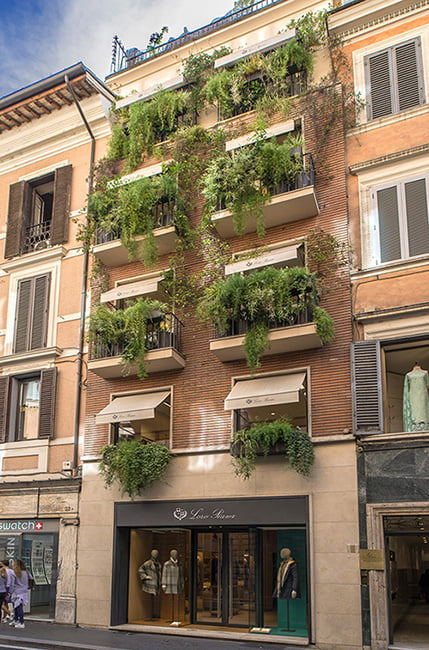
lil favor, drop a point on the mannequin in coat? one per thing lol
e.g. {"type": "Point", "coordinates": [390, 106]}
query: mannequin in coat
{"type": "Point", "coordinates": [172, 574]}
{"type": "Point", "coordinates": [150, 574]}
{"type": "Point", "coordinates": [287, 583]}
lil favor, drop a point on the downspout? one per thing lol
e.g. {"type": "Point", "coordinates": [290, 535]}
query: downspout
{"type": "Point", "coordinates": [84, 287]}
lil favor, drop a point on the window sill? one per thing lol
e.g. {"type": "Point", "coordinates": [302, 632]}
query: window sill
{"type": "Point", "coordinates": [41, 354]}
{"type": "Point", "coordinates": [31, 259]}
{"type": "Point", "coordinates": [388, 120]}
{"type": "Point", "coordinates": [389, 267]}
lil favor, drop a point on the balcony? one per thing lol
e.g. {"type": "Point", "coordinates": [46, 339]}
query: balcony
{"type": "Point", "coordinates": [297, 333]}
{"type": "Point", "coordinates": [37, 237]}
{"type": "Point", "coordinates": [163, 343]}
{"type": "Point", "coordinates": [111, 251]}
{"type": "Point", "coordinates": [291, 201]}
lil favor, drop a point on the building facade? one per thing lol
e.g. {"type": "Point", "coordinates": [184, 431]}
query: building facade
{"type": "Point", "coordinates": [44, 165]}
{"type": "Point", "coordinates": [218, 547]}
{"type": "Point", "coordinates": [387, 47]}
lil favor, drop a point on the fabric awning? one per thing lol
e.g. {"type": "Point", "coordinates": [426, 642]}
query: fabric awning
{"type": "Point", "coordinates": [131, 407]}
{"type": "Point", "coordinates": [288, 254]}
{"type": "Point", "coordinates": [280, 389]}
{"type": "Point", "coordinates": [132, 289]}
{"type": "Point", "coordinates": [261, 47]}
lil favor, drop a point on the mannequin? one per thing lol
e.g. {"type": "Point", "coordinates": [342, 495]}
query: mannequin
{"type": "Point", "coordinates": [172, 580]}
{"type": "Point", "coordinates": [287, 583]}
{"type": "Point", "coordinates": [416, 399]}
{"type": "Point", "coordinates": [150, 576]}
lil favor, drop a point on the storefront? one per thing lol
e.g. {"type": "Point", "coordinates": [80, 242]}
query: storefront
{"type": "Point", "coordinates": [219, 563]}
{"type": "Point", "coordinates": [36, 542]}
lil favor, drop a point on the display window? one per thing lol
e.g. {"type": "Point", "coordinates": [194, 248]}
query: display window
{"type": "Point", "coordinates": [251, 578]}
{"type": "Point", "coordinates": [39, 551]}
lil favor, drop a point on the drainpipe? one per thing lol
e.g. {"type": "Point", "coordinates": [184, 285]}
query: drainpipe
{"type": "Point", "coordinates": [84, 287]}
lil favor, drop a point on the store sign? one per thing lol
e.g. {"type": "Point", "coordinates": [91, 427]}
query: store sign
{"type": "Point", "coordinates": [21, 525]}
{"type": "Point", "coordinates": [216, 512]}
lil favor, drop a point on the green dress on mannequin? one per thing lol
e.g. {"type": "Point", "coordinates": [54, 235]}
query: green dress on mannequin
{"type": "Point", "coordinates": [416, 400]}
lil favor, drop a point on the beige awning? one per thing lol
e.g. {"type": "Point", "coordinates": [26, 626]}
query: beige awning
{"type": "Point", "coordinates": [280, 389]}
{"type": "Point", "coordinates": [272, 257]}
{"type": "Point", "coordinates": [131, 407]}
{"type": "Point", "coordinates": [131, 289]}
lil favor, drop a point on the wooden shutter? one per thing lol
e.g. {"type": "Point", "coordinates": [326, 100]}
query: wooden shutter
{"type": "Point", "coordinates": [48, 385]}
{"type": "Point", "coordinates": [367, 397]}
{"type": "Point", "coordinates": [18, 217]}
{"type": "Point", "coordinates": [39, 320]}
{"type": "Point", "coordinates": [417, 217]}
{"type": "Point", "coordinates": [379, 85]}
{"type": "Point", "coordinates": [388, 224]}
{"type": "Point", "coordinates": [4, 402]}
{"type": "Point", "coordinates": [409, 74]}
{"type": "Point", "coordinates": [61, 205]}
{"type": "Point", "coordinates": [23, 315]}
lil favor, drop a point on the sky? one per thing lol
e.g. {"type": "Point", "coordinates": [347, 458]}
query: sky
{"type": "Point", "coordinates": [41, 37]}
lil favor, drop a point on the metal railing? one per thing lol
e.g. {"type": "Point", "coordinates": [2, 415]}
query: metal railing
{"type": "Point", "coordinates": [240, 326]}
{"type": "Point", "coordinates": [304, 178]}
{"type": "Point", "coordinates": [123, 58]}
{"type": "Point", "coordinates": [163, 213]}
{"type": "Point", "coordinates": [37, 237]}
{"type": "Point", "coordinates": [163, 331]}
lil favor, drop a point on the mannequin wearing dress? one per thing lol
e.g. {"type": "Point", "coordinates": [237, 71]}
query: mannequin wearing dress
{"type": "Point", "coordinates": [416, 400]}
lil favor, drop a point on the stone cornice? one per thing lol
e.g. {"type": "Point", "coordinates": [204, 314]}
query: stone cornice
{"type": "Point", "coordinates": [388, 158]}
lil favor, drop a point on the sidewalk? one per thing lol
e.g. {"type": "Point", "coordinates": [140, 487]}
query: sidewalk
{"type": "Point", "coordinates": [63, 637]}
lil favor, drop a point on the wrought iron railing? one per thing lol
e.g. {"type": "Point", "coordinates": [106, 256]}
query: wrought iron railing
{"type": "Point", "coordinates": [163, 213]}
{"type": "Point", "coordinates": [123, 58]}
{"type": "Point", "coordinates": [240, 326]}
{"type": "Point", "coordinates": [37, 237]}
{"type": "Point", "coordinates": [304, 178]}
{"type": "Point", "coordinates": [162, 331]}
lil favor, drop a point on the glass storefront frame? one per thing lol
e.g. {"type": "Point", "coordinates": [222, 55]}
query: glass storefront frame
{"type": "Point", "coordinates": [284, 517]}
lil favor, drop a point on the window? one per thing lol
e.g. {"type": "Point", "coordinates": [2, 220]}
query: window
{"type": "Point", "coordinates": [27, 406]}
{"type": "Point", "coordinates": [38, 213]}
{"type": "Point", "coordinates": [390, 382]}
{"type": "Point", "coordinates": [401, 225]}
{"type": "Point", "coordinates": [394, 79]}
{"type": "Point", "coordinates": [31, 316]}
{"type": "Point", "coordinates": [269, 398]}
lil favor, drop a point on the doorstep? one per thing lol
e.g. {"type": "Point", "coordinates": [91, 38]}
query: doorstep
{"type": "Point", "coordinates": [199, 632]}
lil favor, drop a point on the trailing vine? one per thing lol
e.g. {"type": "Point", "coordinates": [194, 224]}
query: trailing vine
{"type": "Point", "coordinates": [262, 437]}
{"type": "Point", "coordinates": [134, 464]}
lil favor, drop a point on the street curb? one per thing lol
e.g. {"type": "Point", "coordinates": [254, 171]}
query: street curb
{"type": "Point", "coordinates": [45, 644]}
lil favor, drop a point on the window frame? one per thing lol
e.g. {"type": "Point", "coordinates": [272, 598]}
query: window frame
{"type": "Point", "coordinates": [15, 392]}
{"type": "Point", "coordinates": [31, 311]}
{"type": "Point", "coordinates": [375, 244]}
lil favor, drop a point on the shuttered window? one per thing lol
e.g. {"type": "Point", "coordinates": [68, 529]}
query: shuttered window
{"type": "Point", "coordinates": [367, 395]}
{"type": "Point", "coordinates": [31, 317]}
{"type": "Point", "coordinates": [394, 79]}
{"type": "Point", "coordinates": [26, 230]}
{"type": "Point", "coordinates": [401, 220]}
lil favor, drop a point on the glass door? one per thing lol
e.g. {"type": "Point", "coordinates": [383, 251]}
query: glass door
{"type": "Point", "coordinates": [225, 577]}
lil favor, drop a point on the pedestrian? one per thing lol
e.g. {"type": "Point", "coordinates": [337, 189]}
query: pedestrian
{"type": "Point", "coordinates": [22, 582]}
{"type": "Point", "coordinates": [6, 575]}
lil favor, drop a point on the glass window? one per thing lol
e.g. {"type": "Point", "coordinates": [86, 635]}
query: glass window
{"type": "Point", "coordinates": [28, 408]}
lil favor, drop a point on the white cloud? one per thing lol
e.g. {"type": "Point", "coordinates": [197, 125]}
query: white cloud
{"type": "Point", "coordinates": [61, 33]}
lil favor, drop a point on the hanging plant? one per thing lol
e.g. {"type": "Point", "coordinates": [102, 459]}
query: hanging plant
{"type": "Point", "coordinates": [262, 437]}
{"type": "Point", "coordinates": [126, 329]}
{"type": "Point", "coordinates": [134, 464]}
{"type": "Point", "coordinates": [263, 300]}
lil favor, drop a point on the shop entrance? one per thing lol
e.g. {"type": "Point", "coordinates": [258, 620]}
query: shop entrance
{"type": "Point", "coordinates": [225, 578]}
{"type": "Point", "coordinates": [407, 548]}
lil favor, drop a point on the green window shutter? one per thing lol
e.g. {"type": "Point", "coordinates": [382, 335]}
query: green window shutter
{"type": "Point", "coordinates": [18, 217]}
{"type": "Point", "coordinates": [409, 72]}
{"type": "Point", "coordinates": [417, 217]}
{"type": "Point", "coordinates": [4, 403]}
{"type": "Point", "coordinates": [39, 324]}
{"type": "Point", "coordinates": [367, 394]}
{"type": "Point", "coordinates": [61, 205]}
{"type": "Point", "coordinates": [379, 85]}
{"type": "Point", "coordinates": [48, 385]}
{"type": "Point", "coordinates": [23, 315]}
{"type": "Point", "coordinates": [388, 224]}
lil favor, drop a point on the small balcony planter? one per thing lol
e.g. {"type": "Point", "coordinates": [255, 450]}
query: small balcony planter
{"type": "Point", "coordinates": [271, 438]}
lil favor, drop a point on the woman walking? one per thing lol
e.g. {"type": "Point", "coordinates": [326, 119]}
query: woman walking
{"type": "Point", "coordinates": [5, 581]}
{"type": "Point", "coordinates": [19, 591]}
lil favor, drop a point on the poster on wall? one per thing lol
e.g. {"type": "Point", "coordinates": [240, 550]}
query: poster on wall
{"type": "Point", "coordinates": [37, 564]}
{"type": "Point", "coordinates": [47, 561]}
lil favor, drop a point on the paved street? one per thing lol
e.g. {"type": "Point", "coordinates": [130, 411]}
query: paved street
{"type": "Point", "coordinates": [48, 636]}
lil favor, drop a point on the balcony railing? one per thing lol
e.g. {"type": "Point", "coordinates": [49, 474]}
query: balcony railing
{"type": "Point", "coordinates": [163, 213]}
{"type": "Point", "coordinates": [122, 58]}
{"type": "Point", "coordinates": [37, 237]}
{"type": "Point", "coordinates": [163, 331]}
{"type": "Point", "coordinates": [240, 326]}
